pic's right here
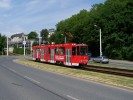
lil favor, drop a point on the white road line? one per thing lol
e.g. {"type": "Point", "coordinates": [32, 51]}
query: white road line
{"type": "Point", "coordinates": [12, 70]}
{"type": "Point", "coordinates": [72, 97]}
{"type": "Point", "coordinates": [32, 79]}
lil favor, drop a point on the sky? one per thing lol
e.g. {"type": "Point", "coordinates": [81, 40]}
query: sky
{"type": "Point", "coordinates": [34, 15]}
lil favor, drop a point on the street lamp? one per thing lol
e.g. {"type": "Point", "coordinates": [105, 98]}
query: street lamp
{"type": "Point", "coordinates": [40, 40]}
{"type": "Point", "coordinates": [64, 38]}
{"type": "Point", "coordinates": [39, 37]}
{"type": "Point", "coordinates": [100, 40]}
{"type": "Point", "coordinates": [7, 46]}
{"type": "Point", "coordinates": [24, 43]}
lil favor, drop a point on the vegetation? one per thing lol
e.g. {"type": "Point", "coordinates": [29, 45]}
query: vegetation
{"type": "Point", "coordinates": [2, 44]}
{"type": "Point", "coordinates": [32, 35]}
{"type": "Point", "coordinates": [44, 35]}
{"type": "Point", "coordinates": [17, 50]}
{"type": "Point", "coordinates": [114, 17]}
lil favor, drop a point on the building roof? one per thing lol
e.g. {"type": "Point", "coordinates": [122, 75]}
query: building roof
{"type": "Point", "coordinates": [17, 35]}
{"type": "Point", "coordinates": [51, 30]}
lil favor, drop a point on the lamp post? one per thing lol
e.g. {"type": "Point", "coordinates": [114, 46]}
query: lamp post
{"type": "Point", "coordinates": [64, 38]}
{"type": "Point", "coordinates": [39, 37]}
{"type": "Point", "coordinates": [7, 46]}
{"type": "Point", "coordinates": [24, 43]}
{"type": "Point", "coordinates": [40, 40]}
{"type": "Point", "coordinates": [100, 39]}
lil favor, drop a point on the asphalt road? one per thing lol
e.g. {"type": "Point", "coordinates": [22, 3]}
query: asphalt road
{"type": "Point", "coordinates": [18, 82]}
{"type": "Point", "coordinates": [119, 63]}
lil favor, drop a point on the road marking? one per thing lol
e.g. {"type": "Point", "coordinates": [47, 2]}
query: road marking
{"type": "Point", "coordinates": [72, 97]}
{"type": "Point", "coordinates": [32, 79]}
{"type": "Point", "coordinates": [12, 70]}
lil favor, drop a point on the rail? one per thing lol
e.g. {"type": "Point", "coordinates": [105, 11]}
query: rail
{"type": "Point", "coordinates": [100, 69]}
{"type": "Point", "coordinates": [109, 70]}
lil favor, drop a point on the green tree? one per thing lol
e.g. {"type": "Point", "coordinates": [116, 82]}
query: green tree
{"type": "Point", "coordinates": [32, 35]}
{"type": "Point", "coordinates": [114, 17]}
{"type": "Point", "coordinates": [44, 34]}
{"type": "Point", "coordinates": [2, 44]}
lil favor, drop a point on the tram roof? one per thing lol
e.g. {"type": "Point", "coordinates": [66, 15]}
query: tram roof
{"type": "Point", "coordinates": [66, 44]}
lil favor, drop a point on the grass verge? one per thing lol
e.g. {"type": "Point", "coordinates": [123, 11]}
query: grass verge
{"type": "Point", "coordinates": [114, 80]}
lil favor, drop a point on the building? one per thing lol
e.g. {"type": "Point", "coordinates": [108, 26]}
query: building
{"type": "Point", "coordinates": [51, 31]}
{"type": "Point", "coordinates": [17, 39]}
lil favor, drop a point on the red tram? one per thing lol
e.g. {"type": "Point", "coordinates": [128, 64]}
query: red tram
{"type": "Point", "coordinates": [69, 54]}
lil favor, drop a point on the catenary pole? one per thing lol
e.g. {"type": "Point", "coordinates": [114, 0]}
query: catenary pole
{"type": "Point", "coordinates": [7, 46]}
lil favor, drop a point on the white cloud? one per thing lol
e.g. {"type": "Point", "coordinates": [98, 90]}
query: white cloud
{"type": "Point", "coordinates": [5, 3]}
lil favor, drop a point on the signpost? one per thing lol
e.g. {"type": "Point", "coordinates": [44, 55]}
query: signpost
{"type": "Point", "coordinates": [24, 43]}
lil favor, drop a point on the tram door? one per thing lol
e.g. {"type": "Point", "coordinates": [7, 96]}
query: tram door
{"type": "Point", "coordinates": [68, 57]}
{"type": "Point", "coordinates": [52, 56]}
{"type": "Point", "coordinates": [37, 53]}
{"type": "Point", "coordinates": [42, 55]}
{"type": "Point", "coordinates": [33, 54]}
{"type": "Point", "coordinates": [45, 54]}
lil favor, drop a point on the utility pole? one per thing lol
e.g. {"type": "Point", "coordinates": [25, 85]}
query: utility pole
{"type": "Point", "coordinates": [100, 43]}
{"type": "Point", "coordinates": [24, 42]}
{"type": "Point", "coordinates": [100, 39]}
{"type": "Point", "coordinates": [65, 39]}
{"type": "Point", "coordinates": [39, 36]}
{"type": "Point", "coordinates": [7, 47]}
{"type": "Point", "coordinates": [40, 40]}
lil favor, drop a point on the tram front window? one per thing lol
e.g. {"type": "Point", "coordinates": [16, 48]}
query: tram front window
{"type": "Point", "coordinates": [83, 50]}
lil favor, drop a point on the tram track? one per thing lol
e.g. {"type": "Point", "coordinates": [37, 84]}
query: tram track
{"type": "Point", "coordinates": [109, 70]}
{"type": "Point", "coordinates": [106, 70]}
{"type": "Point", "coordinates": [100, 69]}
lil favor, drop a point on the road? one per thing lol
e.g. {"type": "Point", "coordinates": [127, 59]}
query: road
{"type": "Point", "coordinates": [18, 82]}
{"type": "Point", "coordinates": [121, 63]}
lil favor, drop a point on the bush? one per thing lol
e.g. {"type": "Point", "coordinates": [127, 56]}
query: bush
{"type": "Point", "coordinates": [21, 51]}
{"type": "Point", "coordinates": [116, 54]}
{"type": "Point", "coordinates": [18, 50]}
{"type": "Point", "coordinates": [130, 53]}
{"type": "Point", "coordinates": [28, 51]}
{"type": "Point", "coordinates": [130, 56]}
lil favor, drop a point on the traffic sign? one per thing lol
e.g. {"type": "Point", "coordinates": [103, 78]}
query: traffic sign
{"type": "Point", "coordinates": [24, 42]}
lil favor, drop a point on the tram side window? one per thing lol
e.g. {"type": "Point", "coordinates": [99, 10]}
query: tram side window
{"type": "Point", "coordinates": [38, 50]}
{"type": "Point", "coordinates": [43, 51]}
{"type": "Point", "coordinates": [78, 50]}
{"type": "Point", "coordinates": [56, 51]}
{"type": "Point", "coordinates": [73, 50]}
{"type": "Point", "coordinates": [60, 51]}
